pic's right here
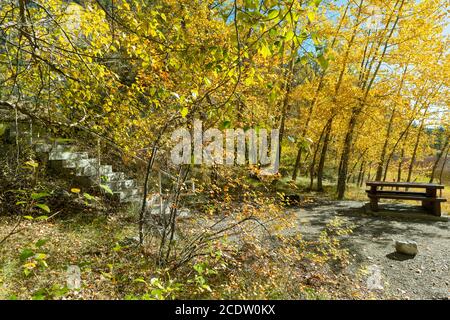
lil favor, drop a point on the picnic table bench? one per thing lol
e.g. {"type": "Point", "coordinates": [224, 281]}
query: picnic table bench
{"type": "Point", "coordinates": [425, 192]}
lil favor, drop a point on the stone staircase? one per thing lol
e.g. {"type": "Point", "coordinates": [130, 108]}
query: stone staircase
{"type": "Point", "coordinates": [87, 171]}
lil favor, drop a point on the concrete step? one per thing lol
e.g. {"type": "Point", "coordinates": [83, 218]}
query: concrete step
{"type": "Point", "coordinates": [114, 176]}
{"type": "Point", "coordinates": [93, 170]}
{"type": "Point", "coordinates": [67, 155]}
{"type": "Point", "coordinates": [42, 147]}
{"type": "Point", "coordinates": [126, 194]}
{"type": "Point", "coordinates": [118, 185]}
{"type": "Point", "coordinates": [105, 169]}
{"type": "Point", "coordinates": [90, 170]}
{"type": "Point", "coordinates": [78, 163]}
{"type": "Point", "coordinates": [64, 155]}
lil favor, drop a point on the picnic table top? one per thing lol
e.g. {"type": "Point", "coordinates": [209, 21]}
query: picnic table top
{"type": "Point", "coordinates": [405, 184]}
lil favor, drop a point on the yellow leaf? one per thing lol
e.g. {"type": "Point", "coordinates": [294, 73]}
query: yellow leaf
{"type": "Point", "coordinates": [32, 163]}
{"type": "Point", "coordinates": [184, 112]}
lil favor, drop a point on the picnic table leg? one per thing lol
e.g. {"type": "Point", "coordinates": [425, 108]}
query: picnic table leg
{"type": "Point", "coordinates": [373, 203]}
{"type": "Point", "coordinates": [433, 207]}
{"type": "Point", "coordinates": [373, 200]}
{"type": "Point", "coordinates": [436, 208]}
{"type": "Point", "coordinates": [427, 205]}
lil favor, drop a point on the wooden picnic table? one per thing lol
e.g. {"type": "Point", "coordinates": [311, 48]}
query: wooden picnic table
{"type": "Point", "coordinates": [427, 194]}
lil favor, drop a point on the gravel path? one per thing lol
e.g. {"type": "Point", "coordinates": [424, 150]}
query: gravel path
{"type": "Point", "coordinates": [426, 276]}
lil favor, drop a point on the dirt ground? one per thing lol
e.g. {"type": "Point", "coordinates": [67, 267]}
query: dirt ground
{"type": "Point", "coordinates": [425, 276]}
{"type": "Point", "coordinates": [371, 246]}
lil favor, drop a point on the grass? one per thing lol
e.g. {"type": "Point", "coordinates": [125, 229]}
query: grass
{"type": "Point", "coordinates": [86, 240]}
{"type": "Point", "coordinates": [91, 240]}
{"type": "Point", "coordinates": [109, 271]}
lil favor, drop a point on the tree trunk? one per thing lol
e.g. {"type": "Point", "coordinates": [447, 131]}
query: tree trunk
{"type": "Point", "coordinates": [316, 96]}
{"type": "Point", "coordinates": [369, 173]}
{"type": "Point", "coordinates": [388, 134]}
{"type": "Point", "coordinates": [361, 173]}
{"type": "Point", "coordinates": [298, 159]}
{"type": "Point", "coordinates": [313, 162]}
{"type": "Point", "coordinates": [384, 149]}
{"type": "Point", "coordinates": [352, 172]}
{"type": "Point", "coordinates": [366, 86]}
{"type": "Point", "coordinates": [400, 161]}
{"type": "Point", "coordinates": [323, 155]}
{"type": "Point", "coordinates": [285, 105]}
{"type": "Point", "coordinates": [438, 158]}
{"type": "Point", "coordinates": [345, 156]}
{"type": "Point", "coordinates": [416, 146]}
{"type": "Point", "coordinates": [297, 163]}
{"type": "Point", "coordinates": [443, 166]}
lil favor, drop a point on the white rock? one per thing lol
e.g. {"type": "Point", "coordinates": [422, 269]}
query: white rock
{"type": "Point", "coordinates": [374, 280]}
{"type": "Point", "coordinates": [406, 247]}
{"type": "Point", "coordinates": [73, 277]}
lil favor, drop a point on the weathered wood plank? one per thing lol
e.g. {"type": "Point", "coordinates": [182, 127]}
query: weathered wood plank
{"type": "Point", "coordinates": [411, 193]}
{"type": "Point", "coordinates": [406, 197]}
{"type": "Point", "coordinates": [404, 184]}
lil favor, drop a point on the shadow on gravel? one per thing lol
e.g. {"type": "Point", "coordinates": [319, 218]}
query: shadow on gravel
{"type": "Point", "coordinates": [398, 256]}
{"type": "Point", "coordinates": [372, 240]}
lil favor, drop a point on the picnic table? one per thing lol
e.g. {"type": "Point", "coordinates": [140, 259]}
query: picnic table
{"type": "Point", "coordinates": [424, 192]}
